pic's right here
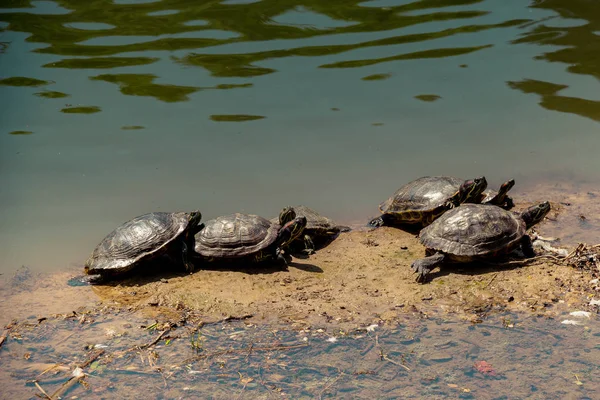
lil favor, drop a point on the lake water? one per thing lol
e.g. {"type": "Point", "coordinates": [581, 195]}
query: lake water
{"type": "Point", "coordinates": [110, 110]}
{"type": "Point", "coordinates": [506, 357]}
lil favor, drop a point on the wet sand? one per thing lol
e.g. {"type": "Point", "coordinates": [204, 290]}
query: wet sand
{"type": "Point", "coordinates": [362, 277]}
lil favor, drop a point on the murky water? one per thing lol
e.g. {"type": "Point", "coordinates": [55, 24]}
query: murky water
{"type": "Point", "coordinates": [124, 356]}
{"type": "Point", "coordinates": [113, 109]}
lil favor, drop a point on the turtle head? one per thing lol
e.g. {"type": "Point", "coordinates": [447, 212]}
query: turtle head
{"type": "Point", "coordinates": [470, 190]}
{"type": "Point", "coordinates": [506, 186]}
{"type": "Point", "coordinates": [194, 221]}
{"type": "Point", "coordinates": [291, 231]}
{"type": "Point", "coordinates": [286, 215]}
{"type": "Point", "coordinates": [535, 214]}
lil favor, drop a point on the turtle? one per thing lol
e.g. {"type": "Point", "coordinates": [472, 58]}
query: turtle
{"type": "Point", "coordinates": [141, 239]}
{"type": "Point", "coordinates": [474, 232]}
{"type": "Point", "coordinates": [425, 199]}
{"type": "Point", "coordinates": [246, 237]}
{"type": "Point", "coordinates": [499, 198]}
{"type": "Point", "coordinates": [319, 228]}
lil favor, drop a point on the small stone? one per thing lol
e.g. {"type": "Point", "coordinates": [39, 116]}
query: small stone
{"type": "Point", "coordinates": [163, 280]}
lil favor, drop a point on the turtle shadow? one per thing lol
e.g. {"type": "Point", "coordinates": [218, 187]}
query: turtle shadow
{"type": "Point", "coordinates": [307, 267]}
{"type": "Point", "coordinates": [254, 269]}
{"type": "Point", "coordinates": [149, 272]}
{"type": "Point", "coordinates": [320, 243]}
{"type": "Point", "coordinates": [476, 268]}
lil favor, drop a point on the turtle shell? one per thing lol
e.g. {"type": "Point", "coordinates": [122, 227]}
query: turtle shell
{"type": "Point", "coordinates": [136, 240]}
{"type": "Point", "coordinates": [421, 195]}
{"type": "Point", "coordinates": [235, 235]}
{"type": "Point", "coordinates": [474, 230]}
{"type": "Point", "coordinates": [315, 222]}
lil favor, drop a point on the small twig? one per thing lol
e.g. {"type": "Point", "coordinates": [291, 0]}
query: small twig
{"type": "Point", "coordinates": [330, 384]}
{"type": "Point", "coordinates": [42, 390]}
{"type": "Point", "coordinates": [93, 356]}
{"type": "Point", "coordinates": [231, 351]}
{"type": "Point", "coordinates": [262, 382]}
{"type": "Point", "coordinates": [152, 343]}
{"type": "Point", "coordinates": [228, 319]}
{"type": "Point", "coordinates": [384, 356]}
{"type": "Point", "coordinates": [491, 280]}
{"type": "Point", "coordinates": [62, 340]}
{"type": "Point", "coordinates": [4, 336]}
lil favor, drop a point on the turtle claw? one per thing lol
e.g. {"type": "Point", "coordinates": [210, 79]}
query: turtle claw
{"type": "Point", "coordinates": [84, 280]}
{"type": "Point", "coordinates": [424, 266]}
{"type": "Point", "coordinates": [420, 269]}
{"type": "Point", "coordinates": [376, 222]}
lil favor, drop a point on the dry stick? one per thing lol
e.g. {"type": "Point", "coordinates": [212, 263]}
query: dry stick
{"type": "Point", "coordinates": [4, 336]}
{"type": "Point", "coordinates": [330, 384]}
{"type": "Point", "coordinates": [262, 382]}
{"type": "Point", "coordinates": [491, 280]}
{"type": "Point", "coordinates": [230, 351]}
{"type": "Point", "coordinates": [42, 390]}
{"type": "Point", "coordinates": [385, 357]}
{"type": "Point", "coordinates": [152, 343]}
{"type": "Point", "coordinates": [93, 356]}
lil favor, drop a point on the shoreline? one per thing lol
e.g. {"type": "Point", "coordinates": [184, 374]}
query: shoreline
{"type": "Point", "coordinates": [361, 277]}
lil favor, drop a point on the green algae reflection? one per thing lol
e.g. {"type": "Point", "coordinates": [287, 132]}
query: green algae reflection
{"type": "Point", "coordinates": [142, 85]}
{"type": "Point", "coordinates": [550, 99]}
{"type": "Point", "coordinates": [235, 117]}
{"type": "Point", "coordinates": [101, 62]}
{"type": "Point", "coordinates": [23, 81]}
{"type": "Point", "coordinates": [50, 94]}
{"type": "Point", "coordinates": [427, 97]}
{"type": "Point", "coordinates": [81, 110]}
{"type": "Point", "coordinates": [376, 77]}
{"type": "Point", "coordinates": [21, 133]}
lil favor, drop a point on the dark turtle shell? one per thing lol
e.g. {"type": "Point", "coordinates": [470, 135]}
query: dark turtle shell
{"type": "Point", "coordinates": [235, 236]}
{"type": "Point", "coordinates": [421, 196]}
{"type": "Point", "coordinates": [136, 240]}
{"type": "Point", "coordinates": [474, 230]}
{"type": "Point", "coordinates": [316, 224]}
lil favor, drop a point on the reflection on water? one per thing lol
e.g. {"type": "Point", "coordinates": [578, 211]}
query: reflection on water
{"type": "Point", "coordinates": [333, 104]}
{"type": "Point", "coordinates": [125, 355]}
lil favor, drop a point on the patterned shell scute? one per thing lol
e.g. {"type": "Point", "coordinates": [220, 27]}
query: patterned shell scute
{"type": "Point", "coordinates": [235, 235]}
{"type": "Point", "coordinates": [425, 193]}
{"type": "Point", "coordinates": [135, 239]}
{"type": "Point", "coordinates": [474, 230]}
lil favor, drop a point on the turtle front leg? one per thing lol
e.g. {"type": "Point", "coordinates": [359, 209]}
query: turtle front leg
{"type": "Point", "coordinates": [424, 266]}
{"type": "Point", "coordinates": [309, 246]}
{"type": "Point", "coordinates": [377, 222]}
{"type": "Point", "coordinates": [508, 203]}
{"type": "Point", "coordinates": [527, 246]}
{"type": "Point", "coordinates": [189, 266]}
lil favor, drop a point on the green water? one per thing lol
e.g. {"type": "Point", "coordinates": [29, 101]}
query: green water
{"type": "Point", "coordinates": [112, 109]}
{"type": "Point", "coordinates": [505, 357]}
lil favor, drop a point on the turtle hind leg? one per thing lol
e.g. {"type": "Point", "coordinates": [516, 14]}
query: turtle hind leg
{"type": "Point", "coordinates": [423, 266]}
{"type": "Point", "coordinates": [189, 265]}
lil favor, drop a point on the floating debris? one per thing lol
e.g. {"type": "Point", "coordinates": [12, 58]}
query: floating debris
{"type": "Point", "coordinates": [570, 322]}
{"type": "Point", "coordinates": [582, 314]}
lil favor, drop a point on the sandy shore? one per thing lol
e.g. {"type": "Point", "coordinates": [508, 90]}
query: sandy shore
{"type": "Point", "coordinates": [361, 277]}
